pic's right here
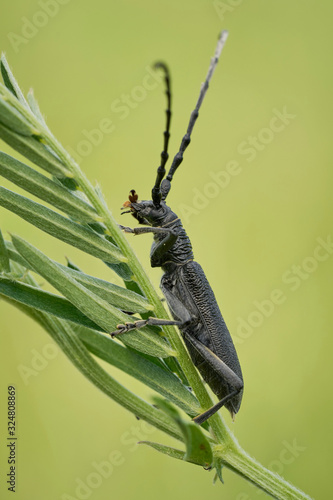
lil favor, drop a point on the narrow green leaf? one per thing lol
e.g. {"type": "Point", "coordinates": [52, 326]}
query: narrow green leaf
{"type": "Point", "coordinates": [69, 183]}
{"type": "Point", "coordinates": [35, 107]}
{"type": "Point", "coordinates": [4, 257]}
{"type": "Point", "coordinates": [118, 296]}
{"type": "Point", "coordinates": [148, 342]}
{"type": "Point", "coordinates": [35, 151]}
{"type": "Point", "coordinates": [122, 269]}
{"type": "Point", "coordinates": [167, 450]}
{"type": "Point", "coordinates": [45, 188]}
{"type": "Point", "coordinates": [72, 265]}
{"type": "Point", "coordinates": [174, 366]}
{"type": "Point", "coordinates": [218, 465]}
{"type": "Point", "coordinates": [99, 311]}
{"type": "Point", "coordinates": [10, 81]}
{"type": "Point", "coordinates": [59, 226]}
{"type": "Point", "coordinates": [133, 286]}
{"type": "Point", "coordinates": [13, 120]}
{"type": "Point", "coordinates": [167, 407]}
{"type": "Point", "coordinates": [15, 256]}
{"type": "Point", "coordinates": [155, 377]}
{"type": "Point", "coordinates": [44, 301]}
{"type": "Point", "coordinates": [95, 308]}
{"type": "Point", "coordinates": [198, 448]}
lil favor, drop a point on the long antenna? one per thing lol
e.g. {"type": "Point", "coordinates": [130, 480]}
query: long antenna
{"type": "Point", "coordinates": [166, 184]}
{"type": "Point", "coordinates": [156, 191]}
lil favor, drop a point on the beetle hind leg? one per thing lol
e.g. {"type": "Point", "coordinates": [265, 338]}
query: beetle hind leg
{"type": "Point", "coordinates": [200, 419]}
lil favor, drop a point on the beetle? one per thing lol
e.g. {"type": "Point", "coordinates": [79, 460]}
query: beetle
{"type": "Point", "coordinates": [187, 291]}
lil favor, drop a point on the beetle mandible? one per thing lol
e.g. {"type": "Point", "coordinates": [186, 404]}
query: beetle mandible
{"type": "Point", "coordinates": [184, 284]}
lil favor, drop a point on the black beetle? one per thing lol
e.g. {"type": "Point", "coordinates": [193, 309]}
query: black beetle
{"type": "Point", "coordinates": [184, 284]}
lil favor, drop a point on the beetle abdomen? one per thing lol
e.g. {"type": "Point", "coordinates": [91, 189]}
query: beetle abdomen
{"type": "Point", "coordinates": [189, 284]}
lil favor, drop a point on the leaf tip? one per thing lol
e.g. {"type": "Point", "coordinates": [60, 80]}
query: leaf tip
{"type": "Point", "coordinates": [35, 132]}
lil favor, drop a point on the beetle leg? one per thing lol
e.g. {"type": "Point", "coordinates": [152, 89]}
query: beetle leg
{"type": "Point", "coordinates": [223, 370]}
{"type": "Point", "coordinates": [162, 246]}
{"type": "Point", "coordinates": [147, 229]}
{"type": "Point", "coordinates": [144, 322]}
{"type": "Point", "coordinates": [200, 419]}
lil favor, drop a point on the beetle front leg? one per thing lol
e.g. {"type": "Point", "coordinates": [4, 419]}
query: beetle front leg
{"type": "Point", "coordinates": [162, 247]}
{"type": "Point", "coordinates": [147, 229]}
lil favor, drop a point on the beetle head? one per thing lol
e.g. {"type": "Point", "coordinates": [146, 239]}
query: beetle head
{"type": "Point", "coordinates": [145, 212]}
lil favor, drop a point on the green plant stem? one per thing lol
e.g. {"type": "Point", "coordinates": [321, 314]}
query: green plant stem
{"type": "Point", "coordinates": [242, 464]}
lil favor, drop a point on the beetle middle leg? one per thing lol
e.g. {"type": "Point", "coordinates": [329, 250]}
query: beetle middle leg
{"type": "Point", "coordinates": [179, 310]}
{"type": "Point", "coordinates": [144, 322]}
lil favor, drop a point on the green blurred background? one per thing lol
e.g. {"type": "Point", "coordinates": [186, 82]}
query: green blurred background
{"type": "Point", "coordinates": [250, 232]}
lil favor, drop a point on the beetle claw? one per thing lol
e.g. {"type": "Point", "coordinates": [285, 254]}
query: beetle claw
{"type": "Point", "coordinates": [120, 329]}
